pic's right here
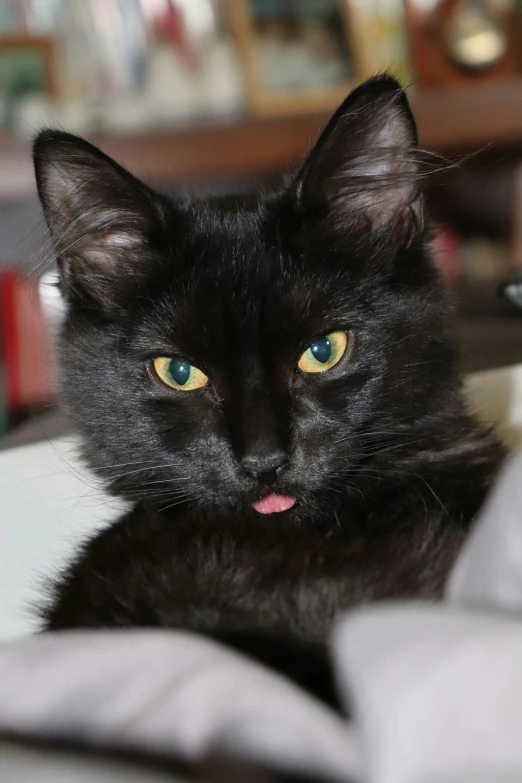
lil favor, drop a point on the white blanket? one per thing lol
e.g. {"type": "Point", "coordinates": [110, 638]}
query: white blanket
{"type": "Point", "coordinates": [436, 690]}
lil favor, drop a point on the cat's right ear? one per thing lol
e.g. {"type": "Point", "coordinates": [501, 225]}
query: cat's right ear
{"type": "Point", "coordinates": [365, 169]}
{"type": "Point", "coordinates": [100, 217]}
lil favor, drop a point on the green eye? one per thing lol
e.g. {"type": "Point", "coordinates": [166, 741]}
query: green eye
{"type": "Point", "coordinates": [178, 374]}
{"type": "Point", "coordinates": [324, 353]}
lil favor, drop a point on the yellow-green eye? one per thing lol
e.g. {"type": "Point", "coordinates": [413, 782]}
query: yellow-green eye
{"type": "Point", "coordinates": [324, 353]}
{"type": "Point", "coordinates": [178, 374]}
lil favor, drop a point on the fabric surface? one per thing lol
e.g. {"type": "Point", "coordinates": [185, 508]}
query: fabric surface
{"type": "Point", "coordinates": [489, 571]}
{"type": "Point", "coordinates": [436, 693]}
{"type": "Point", "coordinates": [168, 692]}
{"type": "Point", "coordinates": [436, 690]}
{"type": "Point", "coordinates": [23, 764]}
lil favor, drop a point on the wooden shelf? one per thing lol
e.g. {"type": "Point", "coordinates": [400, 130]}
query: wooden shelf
{"type": "Point", "coordinates": [470, 118]}
{"type": "Point", "coordinates": [461, 119]}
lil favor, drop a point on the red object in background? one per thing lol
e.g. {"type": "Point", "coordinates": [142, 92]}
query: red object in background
{"type": "Point", "coordinates": [446, 249]}
{"type": "Point", "coordinates": [170, 26]}
{"type": "Point", "coordinates": [9, 339]}
{"type": "Point", "coordinates": [25, 345]}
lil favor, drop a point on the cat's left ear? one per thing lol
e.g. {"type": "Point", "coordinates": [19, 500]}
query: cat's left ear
{"type": "Point", "coordinates": [365, 167]}
{"type": "Point", "coordinates": [102, 220]}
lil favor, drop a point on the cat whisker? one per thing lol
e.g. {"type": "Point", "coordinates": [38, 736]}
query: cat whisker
{"type": "Point", "coordinates": [171, 505]}
{"type": "Point", "coordinates": [363, 439]}
{"type": "Point", "coordinates": [161, 466]}
{"type": "Point", "coordinates": [125, 464]}
{"type": "Point", "coordinates": [437, 498]}
{"type": "Point", "coordinates": [393, 447]}
{"type": "Point", "coordinates": [154, 493]}
{"type": "Point", "coordinates": [132, 475]}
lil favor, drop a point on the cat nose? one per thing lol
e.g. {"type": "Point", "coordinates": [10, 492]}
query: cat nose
{"type": "Point", "coordinates": [265, 467]}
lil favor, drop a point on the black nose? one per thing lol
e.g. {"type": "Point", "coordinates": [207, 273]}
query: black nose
{"type": "Point", "coordinates": [265, 467]}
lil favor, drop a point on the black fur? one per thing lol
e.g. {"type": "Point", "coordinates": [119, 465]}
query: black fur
{"type": "Point", "coordinates": [387, 467]}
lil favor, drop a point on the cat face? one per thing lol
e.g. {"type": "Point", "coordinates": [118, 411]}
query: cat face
{"type": "Point", "coordinates": [225, 352]}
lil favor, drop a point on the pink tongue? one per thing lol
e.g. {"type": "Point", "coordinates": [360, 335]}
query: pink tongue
{"type": "Point", "coordinates": [272, 504]}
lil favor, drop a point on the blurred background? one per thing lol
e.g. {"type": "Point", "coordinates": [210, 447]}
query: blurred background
{"type": "Point", "coordinates": [217, 96]}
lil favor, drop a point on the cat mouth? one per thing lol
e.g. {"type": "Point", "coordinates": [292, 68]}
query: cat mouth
{"type": "Point", "coordinates": [274, 504]}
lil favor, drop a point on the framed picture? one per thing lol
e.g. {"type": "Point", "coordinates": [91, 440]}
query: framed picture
{"type": "Point", "coordinates": [28, 66]}
{"type": "Point", "coordinates": [296, 54]}
{"type": "Point", "coordinates": [456, 43]}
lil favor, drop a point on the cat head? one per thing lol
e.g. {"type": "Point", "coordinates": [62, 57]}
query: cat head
{"type": "Point", "coordinates": [221, 351]}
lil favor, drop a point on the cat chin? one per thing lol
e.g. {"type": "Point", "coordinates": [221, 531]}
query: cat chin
{"type": "Point", "coordinates": [304, 507]}
{"type": "Point", "coordinates": [280, 508]}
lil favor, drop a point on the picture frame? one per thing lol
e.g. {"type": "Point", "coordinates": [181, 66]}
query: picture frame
{"type": "Point", "coordinates": [28, 65]}
{"type": "Point", "coordinates": [440, 36]}
{"type": "Point", "coordinates": [261, 97]}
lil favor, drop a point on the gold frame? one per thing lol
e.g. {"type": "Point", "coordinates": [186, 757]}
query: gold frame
{"type": "Point", "coordinates": [261, 101]}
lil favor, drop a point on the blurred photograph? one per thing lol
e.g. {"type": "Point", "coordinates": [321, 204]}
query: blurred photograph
{"type": "Point", "coordinates": [27, 68]}
{"type": "Point", "coordinates": [301, 45]}
{"type": "Point", "coordinates": [297, 55]}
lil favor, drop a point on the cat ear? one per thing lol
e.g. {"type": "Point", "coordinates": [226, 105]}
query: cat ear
{"type": "Point", "coordinates": [365, 166]}
{"type": "Point", "coordinates": [101, 218]}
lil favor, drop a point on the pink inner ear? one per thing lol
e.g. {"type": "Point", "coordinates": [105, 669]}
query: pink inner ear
{"type": "Point", "coordinates": [120, 240]}
{"type": "Point", "coordinates": [385, 166]}
{"type": "Point", "coordinates": [102, 249]}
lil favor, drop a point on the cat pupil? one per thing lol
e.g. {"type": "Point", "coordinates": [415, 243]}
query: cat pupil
{"type": "Point", "coordinates": [322, 349]}
{"type": "Point", "coordinates": [180, 371]}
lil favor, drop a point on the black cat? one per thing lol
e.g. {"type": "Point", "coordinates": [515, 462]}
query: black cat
{"type": "Point", "coordinates": [273, 385]}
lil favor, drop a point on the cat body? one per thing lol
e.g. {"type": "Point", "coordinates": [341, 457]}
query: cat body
{"type": "Point", "coordinates": [274, 482]}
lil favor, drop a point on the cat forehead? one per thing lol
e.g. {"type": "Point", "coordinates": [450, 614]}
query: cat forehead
{"type": "Point", "coordinates": [213, 303]}
{"type": "Point", "coordinates": [223, 232]}
{"type": "Point", "coordinates": [250, 241]}
{"type": "Point", "coordinates": [243, 257]}
{"type": "Point", "coordinates": [241, 266]}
